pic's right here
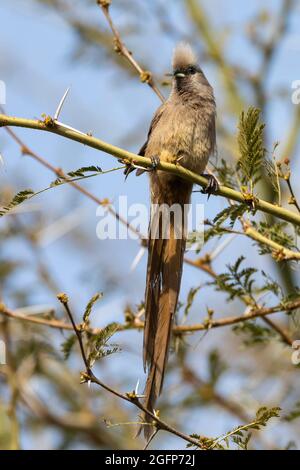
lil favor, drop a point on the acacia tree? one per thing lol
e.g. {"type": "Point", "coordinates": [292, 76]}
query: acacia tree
{"type": "Point", "coordinates": [259, 203]}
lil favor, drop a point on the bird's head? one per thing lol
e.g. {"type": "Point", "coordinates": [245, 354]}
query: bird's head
{"type": "Point", "coordinates": [187, 74]}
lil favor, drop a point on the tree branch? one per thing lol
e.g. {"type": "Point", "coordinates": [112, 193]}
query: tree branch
{"type": "Point", "coordinates": [137, 324]}
{"type": "Point", "coordinates": [279, 252]}
{"type": "Point", "coordinates": [49, 125]}
{"type": "Point", "coordinates": [201, 263]}
{"type": "Point", "coordinates": [129, 397]}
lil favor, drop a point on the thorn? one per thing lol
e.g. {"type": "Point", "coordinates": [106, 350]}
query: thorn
{"type": "Point", "coordinates": [137, 258]}
{"type": "Point", "coordinates": [140, 313]}
{"type": "Point", "coordinates": [61, 103]}
{"type": "Point", "coordinates": [89, 384]}
{"type": "Point", "coordinates": [61, 124]}
{"type": "Point", "coordinates": [150, 438]}
{"type": "Point", "coordinates": [137, 387]}
{"type": "Point", "coordinates": [57, 113]}
{"type": "Point", "coordinates": [222, 246]}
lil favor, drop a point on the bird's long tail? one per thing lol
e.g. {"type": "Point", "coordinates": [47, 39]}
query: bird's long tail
{"type": "Point", "coordinates": [164, 271]}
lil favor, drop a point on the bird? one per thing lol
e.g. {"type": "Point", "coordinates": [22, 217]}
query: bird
{"type": "Point", "coordinates": [182, 131]}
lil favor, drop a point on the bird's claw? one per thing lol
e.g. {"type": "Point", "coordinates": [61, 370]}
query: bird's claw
{"type": "Point", "coordinates": [155, 161]}
{"type": "Point", "coordinates": [212, 185]}
{"type": "Point", "coordinates": [129, 167]}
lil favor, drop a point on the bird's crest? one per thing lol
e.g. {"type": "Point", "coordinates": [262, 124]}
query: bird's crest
{"type": "Point", "coordinates": [183, 56]}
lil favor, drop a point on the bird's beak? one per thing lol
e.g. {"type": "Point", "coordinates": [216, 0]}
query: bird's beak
{"type": "Point", "coordinates": [179, 75]}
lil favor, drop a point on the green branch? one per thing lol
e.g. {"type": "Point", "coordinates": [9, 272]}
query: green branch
{"type": "Point", "coordinates": [50, 126]}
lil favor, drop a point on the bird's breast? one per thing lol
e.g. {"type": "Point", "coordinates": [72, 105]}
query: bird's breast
{"type": "Point", "coordinates": [182, 137]}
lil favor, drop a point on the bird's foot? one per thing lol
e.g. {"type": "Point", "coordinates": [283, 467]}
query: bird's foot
{"type": "Point", "coordinates": [155, 161]}
{"type": "Point", "coordinates": [212, 185]}
{"type": "Point", "coordinates": [130, 167]}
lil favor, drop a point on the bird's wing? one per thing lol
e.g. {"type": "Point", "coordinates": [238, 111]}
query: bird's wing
{"type": "Point", "coordinates": [153, 124]}
{"type": "Point", "coordinates": [129, 168]}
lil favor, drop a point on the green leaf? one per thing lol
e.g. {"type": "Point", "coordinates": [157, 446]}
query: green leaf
{"type": "Point", "coordinates": [264, 414]}
{"type": "Point", "coordinates": [254, 333]}
{"type": "Point", "coordinates": [99, 344]}
{"type": "Point", "coordinates": [226, 174]}
{"type": "Point", "coordinates": [17, 199]}
{"type": "Point", "coordinates": [277, 232]}
{"type": "Point", "coordinates": [67, 346]}
{"type": "Point", "coordinates": [216, 366]}
{"type": "Point", "coordinates": [80, 173]}
{"type": "Point", "coordinates": [232, 213]}
{"type": "Point", "coordinates": [90, 305]}
{"type": "Point", "coordinates": [236, 282]}
{"type": "Point", "coordinates": [85, 169]}
{"type": "Point", "coordinates": [190, 299]}
{"type": "Point", "coordinates": [251, 145]}
{"type": "Point", "coordinates": [271, 169]}
{"type": "Point", "coordinates": [240, 435]}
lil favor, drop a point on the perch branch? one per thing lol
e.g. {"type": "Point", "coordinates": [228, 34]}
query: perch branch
{"type": "Point", "coordinates": [48, 125]}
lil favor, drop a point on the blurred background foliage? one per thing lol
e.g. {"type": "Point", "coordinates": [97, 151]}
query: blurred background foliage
{"type": "Point", "coordinates": [216, 379]}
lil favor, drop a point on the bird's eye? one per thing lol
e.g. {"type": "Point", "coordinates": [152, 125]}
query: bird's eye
{"type": "Point", "coordinates": [192, 70]}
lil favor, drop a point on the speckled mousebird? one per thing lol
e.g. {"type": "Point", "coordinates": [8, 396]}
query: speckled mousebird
{"type": "Point", "coordinates": [183, 131]}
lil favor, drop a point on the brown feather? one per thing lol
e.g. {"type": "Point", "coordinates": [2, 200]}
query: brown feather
{"type": "Point", "coordinates": [182, 131]}
{"type": "Point", "coordinates": [164, 273]}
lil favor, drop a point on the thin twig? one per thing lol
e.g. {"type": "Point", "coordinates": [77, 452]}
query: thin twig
{"type": "Point", "coordinates": [129, 397]}
{"type": "Point", "coordinates": [63, 298]}
{"type": "Point", "coordinates": [281, 331]}
{"type": "Point", "coordinates": [279, 252]}
{"type": "Point", "coordinates": [120, 48]}
{"type": "Point", "coordinates": [136, 323]}
{"type": "Point", "coordinates": [60, 173]}
{"type": "Point", "coordinates": [293, 199]}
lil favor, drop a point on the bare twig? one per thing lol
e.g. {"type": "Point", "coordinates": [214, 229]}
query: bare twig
{"type": "Point", "coordinates": [63, 298]}
{"type": "Point", "coordinates": [293, 199]}
{"type": "Point", "coordinates": [280, 331]}
{"type": "Point", "coordinates": [136, 323]}
{"type": "Point", "coordinates": [60, 174]}
{"type": "Point", "coordinates": [129, 397]}
{"type": "Point", "coordinates": [120, 48]}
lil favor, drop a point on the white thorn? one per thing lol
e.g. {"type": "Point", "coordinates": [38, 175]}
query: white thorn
{"type": "Point", "coordinates": [137, 387]}
{"type": "Point", "coordinates": [89, 383]}
{"type": "Point", "coordinates": [61, 103]}
{"type": "Point", "coordinates": [61, 124]}
{"type": "Point", "coordinates": [137, 259]}
{"type": "Point", "coordinates": [222, 246]}
{"type": "Point", "coordinates": [140, 313]}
